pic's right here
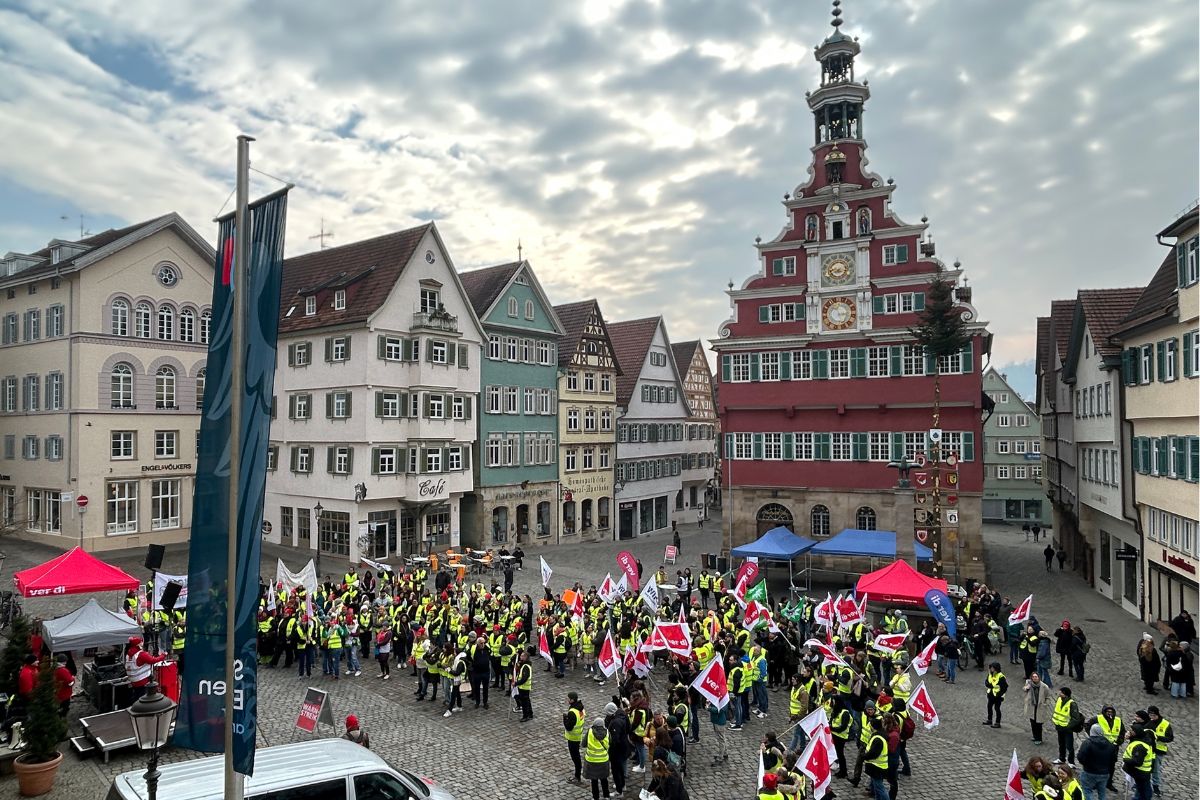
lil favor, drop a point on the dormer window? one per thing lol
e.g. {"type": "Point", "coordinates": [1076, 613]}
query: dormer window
{"type": "Point", "coordinates": [310, 305]}
{"type": "Point", "coordinates": [55, 255]}
{"type": "Point", "coordinates": [339, 300]}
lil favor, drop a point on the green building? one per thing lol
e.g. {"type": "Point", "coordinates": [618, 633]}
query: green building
{"type": "Point", "coordinates": [1012, 466]}
{"type": "Point", "coordinates": [516, 467]}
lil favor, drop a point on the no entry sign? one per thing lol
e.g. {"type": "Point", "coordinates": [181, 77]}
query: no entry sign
{"type": "Point", "coordinates": [82, 501]}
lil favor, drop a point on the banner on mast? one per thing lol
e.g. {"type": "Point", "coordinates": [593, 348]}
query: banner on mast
{"type": "Point", "coordinates": [202, 720]}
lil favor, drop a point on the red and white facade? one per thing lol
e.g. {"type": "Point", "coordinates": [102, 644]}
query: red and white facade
{"type": "Point", "coordinates": [820, 385]}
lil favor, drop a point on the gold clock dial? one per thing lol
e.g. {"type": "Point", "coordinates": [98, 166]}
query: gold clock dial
{"type": "Point", "coordinates": [838, 313]}
{"type": "Point", "coordinates": [837, 270]}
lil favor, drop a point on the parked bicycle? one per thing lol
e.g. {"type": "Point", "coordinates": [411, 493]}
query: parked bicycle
{"type": "Point", "coordinates": [10, 609]}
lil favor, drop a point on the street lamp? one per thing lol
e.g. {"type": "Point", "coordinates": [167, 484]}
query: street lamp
{"type": "Point", "coordinates": [318, 510]}
{"type": "Point", "coordinates": [152, 714]}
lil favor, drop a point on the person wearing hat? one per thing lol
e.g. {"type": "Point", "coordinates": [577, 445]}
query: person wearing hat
{"type": "Point", "coordinates": [1139, 757]}
{"type": "Point", "coordinates": [355, 733]}
{"type": "Point", "coordinates": [617, 723]}
{"type": "Point", "coordinates": [139, 667]}
{"type": "Point", "coordinates": [770, 788]}
{"type": "Point", "coordinates": [866, 730]}
{"type": "Point", "coordinates": [995, 686]}
{"type": "Point", "coordinates": [1164, 734]}
{"type": "Point", "coordinates": [1097, 755]}
{"type": "Point", "coordinates": [573, 723]}
{"type": "Point", "coordinates": [597, 744]}
{"type": "Point", "coordinates": [1114, 732]}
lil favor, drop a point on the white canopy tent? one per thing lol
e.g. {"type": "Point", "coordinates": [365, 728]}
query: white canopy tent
{"type": "Point", "coordinates": [89, 626]}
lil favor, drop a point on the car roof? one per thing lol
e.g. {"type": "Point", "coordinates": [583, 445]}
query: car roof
{"type": "Point", "coordinates": [274, 767]}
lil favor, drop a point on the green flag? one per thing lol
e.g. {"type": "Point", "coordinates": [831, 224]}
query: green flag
{"type": "Point", "coordinates": [757, 592]}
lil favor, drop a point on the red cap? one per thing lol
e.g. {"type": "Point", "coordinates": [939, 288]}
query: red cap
{"type": "Point", "coordinates": [351, 723]}
{"type": "Point", "coordinates": [770, 780]}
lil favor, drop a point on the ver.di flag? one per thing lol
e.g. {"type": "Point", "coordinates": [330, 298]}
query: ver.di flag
{"type": "Point", "coordinates": [712, 684]}
{"type": "Point", "coordinates": [201, 723]}
{"type": "Point", "coordinates": [607, 659]}
{"type": "Point", "coordinates": [889, 642]}
{"type": "Point", "coordinates": [1014, 789]}
{"type": "Point", "coordinates": [817, 762]}
{"type": "Point", "coordinates": [923, 659]}
{"type": "Point", "coordinates": [1022, 612]}
{"type": "Point", "coordinates": [923, 705]}
{"type": "Point", "coordinates": [544, 648]}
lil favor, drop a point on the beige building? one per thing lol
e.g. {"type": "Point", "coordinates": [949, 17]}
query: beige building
{"type": "Point", "coordinates": [587, 410]}
{"type": "Point", "coordinates": [1160, 365]}
{"type": "Point", "coordinates": [102, 352]}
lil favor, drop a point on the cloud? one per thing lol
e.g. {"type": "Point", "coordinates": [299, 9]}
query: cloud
{"type": "Point", "coordinates": [635, 148]}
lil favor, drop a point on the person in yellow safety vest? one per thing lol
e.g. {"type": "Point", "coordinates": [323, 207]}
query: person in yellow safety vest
{"type": "Point", "coordinates": [1050, 789]}
{"type": "Point", "coordinates": [840, 724]}
{"type": "Point", "coordinates": [704, 654]}
{"type": "Point", "coordinates": [303, 632]}
{"type": "Point", "coordinates": [770, 788]}
{"type": "Point", "coordinates": [888, 622]}
{"type": "Point", "coordinates": [595, 753]}
{"type": "Point", "coordinates": [682, 711]}
{"type": "Point", "coordinates": [1064, 710]}
{"type": "Point", "coordinates": [573, 722]}
{"type": "Point", "coordinates": [1164, 734]}
{"type": "Point", "coordinates": [704, 584]}
{"type": "Point", "coordinates": [1139, 761]}
{"type": "Point", "coordinates": [995, 686]}
{"type": "Point", "coordinates": [1071, 788]}
{"type": "Point", "coordinates": [866, 729]}
{"type": "Point", "coordinates": [900, 683]}
{"type": "Point", "coordinates": [799, 700]}
{"type": "Point", "coordinates": [331, 640]}
{"type": "Point", "coordinates": [758, 672]}
{"type": "Point", "coordinates": [523, 679]}
{"type": "Point", "coordinates": [495, 643]}
{"type": "Point", "coordinates": [875, 758]}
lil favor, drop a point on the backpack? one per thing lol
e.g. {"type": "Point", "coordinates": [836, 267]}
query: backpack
{"type": "Point", "coordinates": [1075, 723]}
{"type": "Point", "coordinates": [907, 728]}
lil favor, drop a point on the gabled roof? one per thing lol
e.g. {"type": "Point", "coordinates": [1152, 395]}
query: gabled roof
{"type": "Point", "coordinates": [683, 353]}
{"type": "Point", "coordinates": [104, 244]}
{"type": "Point", "coordinates": [1102, 311]}
{"type": "Point", "coordinates": [1043, 344]}
{"type": "Point", "coordinates": [1062, 314]}
{"type": "Point", "coordinates": [367, 270]}
{"type": "Point", "coordinates": [1158, 299]}
{"type": "Point", "coordinates": [574, 318]}
{"type": "Point", "coordinates": [1184, 221]}
{"type": "Point", "coordinates": [631, 341]}
{"type": "Point", "coordinates": [483, 286]}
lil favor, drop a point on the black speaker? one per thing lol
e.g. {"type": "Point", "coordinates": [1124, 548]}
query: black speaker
{"type": "Point", "coordinates": [154, 557]}
{"type": "Point", "coordinates": [170, 595]}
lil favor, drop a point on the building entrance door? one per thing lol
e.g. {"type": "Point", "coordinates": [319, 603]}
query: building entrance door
{"type": "Point", "coordinates": [626, 528]}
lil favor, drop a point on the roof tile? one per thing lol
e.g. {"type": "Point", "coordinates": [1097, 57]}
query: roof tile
{"type": "Point", "coordinates": [484, 285]}
{"type": "Point", "coordinates": [1103, 310]}
{"type": "Point", "coordinates": [1158, 296]}
{"type": "Point", "coordinates": [631, 341]}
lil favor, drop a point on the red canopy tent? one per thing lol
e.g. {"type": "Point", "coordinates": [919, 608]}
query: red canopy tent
{"type": "Point", "coordinates": [74, 572]}
{"type": "Point", "coordinates": [896, 583]}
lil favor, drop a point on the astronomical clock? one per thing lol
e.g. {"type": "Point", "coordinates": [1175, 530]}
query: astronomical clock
{"type": "Point", "coordinates": [838, 313]}
{"type": "Point", "coordinates": [837, 269]}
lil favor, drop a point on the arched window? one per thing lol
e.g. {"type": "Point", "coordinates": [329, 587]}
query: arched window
{"type": "Point", "coordinates": [205, 326]}
{"type": "Point", "coordinates": [166, 322]}
{"type": "Point", "coordinates": [164, 388]}
{"type": "Point", "coordinates": [528, 309]}
{"type": "Point", "coordinates": [513, 307]}
{"type": "Point", "coordinates": [141, 320]}
{"type": "Point", "coordinates": [819, 521]}
{"type": "Point", "coordinates": [200, 376]}
{"type": "Point", "coordinates": [864, 519]}
{"type": "Point", "coordinates": [120, 387]}
{"type": "Point", "coordinates": [773, 515]}
{"type": "Point", "coordinates": [120, 318]}
{"type": "Point", "coordinates": [187, 325]}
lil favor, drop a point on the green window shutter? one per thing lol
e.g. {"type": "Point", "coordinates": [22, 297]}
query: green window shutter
{"type": "Point", "coordinates": [799, 310]}
{"type": "Point", "coordinates": [329, 459]}
{"type": "Point", "coordinates": [764, 313]}
{"type": "Point", "coordinates": [858, 446]}
{"type": "Point", "coordinates": [451, 353]}
{"type": "Point", "coordinates": [410, 349]}
{"type": "Point", "coordinates": [901, 253]}
{"type": "Point", "coordinates": [1160, 349]}
{"type": "Point", "coordinates": [349, 341]}
{"type": "Point", "coordinates": [758, 446]}
{"type": "Point", "coordinates": [777, 266]}
{"type": "Point", "coordinates": [295, 458]}
{"type": "Point", "coordinates": [858, 362]}
{"type": "Point", "coordinates": [291, 355]}
{"type": "Point", "coordinates": [1187, 355]}
{"type": "Point", "coordinates": [755, 367]}
{"type": "Point", "coordinates": [292, 406]}
{"type": "Point", "coordinates": [820, 364]}
{"type": "Point", "coordinates": [401, 460]}
{"type": "Point", "coordinates": [1127, 366]}
{"type": "Point", "coordinates": [349, 405]}
{"type": "Point", "coordinates": [821, 446]}
{"type": "Point", "coordinates": [374, 460]}
{"type": "Point", "coordinates": [897, 446]}
{"type": "Point", "coordinates": [463, 358]}
{"type": "Point", "coordinates": [380, 346]}
{"type": "Point", "coordinates": [918, 301]}
{"type": "Point", "coordinates": [429, 352]}
{"type": "Point", "coordinates": [350, 461]}
{"type": "Point", "coordinates": [785, 365]}
{"type": "Point", "coordinates": [968, 446]}
{"type": "Point", "coordinates": [425, 405]}
{"type": "Point", "coordinates": [1136, 454]}
{"type": "Point", "coordinates": [329, 405]}
{"type": "Point", "coordinates": [1163, 455]}
{"type": "Point", "coordinates": [789, 446]}
{"type": "Point", "coordinates": [728, 442]}
{"type": "Point", "coordinates": [896, 359]}
{"type": "Point", "coordinates": [877, 304]}
{"type": "Point", "coordinates": [1147, 466]}
{"type": "Point", "coordinates": [1193, 458]}
{"type": "Point", "coordinates": [1181, 264]}
{"type": "Point", "coordinates": [968, 357]}
{"type": "Point", "coordinates": [726, 368]}
{"type": "Point", "coordinates": [329, 349]}
{"type": "Point", "coordinates": [379, 404]}
{"type": "Point", "coordinates": [1179, 448]}
{"type": "Point", "coordinates": [467, 407]}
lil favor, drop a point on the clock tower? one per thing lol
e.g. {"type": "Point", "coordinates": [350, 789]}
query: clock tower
{"type": "Point", "coordinates": [821, 385]}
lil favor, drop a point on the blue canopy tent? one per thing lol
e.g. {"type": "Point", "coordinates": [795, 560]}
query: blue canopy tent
{"type": "Point", "coordinates": [866, 544]}
{"type": "Point", "coordinates": [777, 544]}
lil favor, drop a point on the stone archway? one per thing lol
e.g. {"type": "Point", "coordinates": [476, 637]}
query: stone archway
{"type": "Point", "coordinates": [772, 515]}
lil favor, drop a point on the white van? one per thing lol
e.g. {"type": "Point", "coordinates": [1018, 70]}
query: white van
{"type": "Point", "coordinates": [324, 769]}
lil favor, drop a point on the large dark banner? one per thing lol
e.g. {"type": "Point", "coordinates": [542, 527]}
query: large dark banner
{"type": "Point", "coordinates": [202, 702]}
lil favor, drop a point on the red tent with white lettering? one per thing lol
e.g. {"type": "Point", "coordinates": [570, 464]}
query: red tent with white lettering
{"type": "Point", "coordinates": [897, 583]}
{"type": "Point", "coordinates": [74, 572]}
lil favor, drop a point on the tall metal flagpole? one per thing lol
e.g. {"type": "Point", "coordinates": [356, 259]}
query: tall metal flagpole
{"type": "Point", "coordinates": [240, 278]}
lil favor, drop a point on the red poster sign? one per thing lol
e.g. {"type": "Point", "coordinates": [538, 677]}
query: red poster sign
{"type": "Point", "coordinates": [669, 554]}
{"type": "Point", "coordinates": [628, 565]}
{"type": "Point", "coordinates": [314, 710]}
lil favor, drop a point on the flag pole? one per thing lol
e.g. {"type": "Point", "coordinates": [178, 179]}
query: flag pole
{"type": "Point", "coordinates": [241, 284]}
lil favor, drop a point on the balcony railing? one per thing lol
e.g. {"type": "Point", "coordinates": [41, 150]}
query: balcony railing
{"type": "Point", "coordinates": [436, 320]}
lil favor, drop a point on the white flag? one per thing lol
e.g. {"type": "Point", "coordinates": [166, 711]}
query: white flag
{"type": "Point", "coordinates": [712, 684]}
{"type": "Point", "coordinates": [817, 762]}
{"type": "Point", "coordinates": [924, 658]}
{"type": "Point", "coordinates": [1013, 788]}
{"type": "Point", "coordinates": [379, 568]}
{"type": "Point", "coordinates": [607, 661]}
{"type": "Point", "coordinates": [1022, 612]}
{"type": "Point", "coordinates": [650, 596]}
{"type": "Point", "coordinates": [546, 571]}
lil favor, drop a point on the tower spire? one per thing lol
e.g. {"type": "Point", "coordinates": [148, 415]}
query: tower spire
{"type": "Point", "coordinates": [837, 14]}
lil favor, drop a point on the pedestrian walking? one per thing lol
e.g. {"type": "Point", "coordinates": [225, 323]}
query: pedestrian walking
{"type": "Point", "coordinates": [700, 518]}
{"type": "Point", "coordinates": [1067, 719]}
{"type": "Point", "coordinates": [1037, 706]}
{"type": "Point", "coordinates": [1061, 555]}
{"type": "Point", "coordinates": [995, 686]}
{"type": "Point", "coordinates": [573, 723]}
{"type": "Point", "coordinates": [1037, 531]}
{"type": "Point", "coordinates": [1049, 555]}
{"type": "Point", "coordinates": [676, 540]}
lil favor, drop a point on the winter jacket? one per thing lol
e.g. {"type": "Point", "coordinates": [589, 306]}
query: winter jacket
{"type": "Point", "coordinates": [1096, 755]}
{"type": "Point", "coordinates": [1037, 709]}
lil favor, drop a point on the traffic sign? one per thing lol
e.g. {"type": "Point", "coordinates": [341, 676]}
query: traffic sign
{"type": "Point", "coordinates": [82, 501]}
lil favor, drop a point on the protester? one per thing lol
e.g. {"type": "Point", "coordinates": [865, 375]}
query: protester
{"type": "Point", "coordinates": [596, 754]}
{"type": "Point", "coordinates": [1096, 756]}
{"type": "Point", "coordinates": [355, 733]}
{"type": "Point", "coordinates": [1037, 705]}
{"type": "Point", "coordinates": [995, 686]}
{"type": "Point", "coordinates": [1149, 664]}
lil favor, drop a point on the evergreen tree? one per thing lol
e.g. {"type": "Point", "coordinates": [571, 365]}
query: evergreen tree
{"type": "Point", "coordinates": [942, 332]}
{"type": "Point", "coordinates": [44, 728]}
{"type": "Point", "coordinates": [13, 658]}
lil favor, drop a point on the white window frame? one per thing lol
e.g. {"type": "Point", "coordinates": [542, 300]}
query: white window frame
{"type": "Point", "coordinates": [165, 496]}
{"type": "Point", "coordinates": [310, 305]}
{"type": "Point", "coordinates": [1002, 472]}
{"type": "Point", "coordinates": [121, 507]}
{"type": "Point", "coordinates": [339, 300]}
{"type": "Point", "coordinates": [429, 300]}
{"type": "Point", "coordinates": [739, 368]}
{"type": "Point", "coordinates": [166, 444]}
{"type": "Point", "coordinates": [769, 366]}
{"type": "Point", "coordinates": [839, 363]}
{"type": "Point", "coordinates": [439, 351]}
{"type": "Point", "coordinates": [1003, 421]}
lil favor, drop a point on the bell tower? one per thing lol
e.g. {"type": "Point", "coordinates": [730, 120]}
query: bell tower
{"type": "Point", "coordinates": [837, 105]}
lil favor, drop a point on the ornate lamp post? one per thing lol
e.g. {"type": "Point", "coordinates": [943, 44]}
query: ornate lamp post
{"type": "Point", "coordinates": [153, 714]}
{"type": "Point", "coordinates": [318, 514]}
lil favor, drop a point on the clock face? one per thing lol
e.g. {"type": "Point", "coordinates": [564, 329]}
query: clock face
{"type": "Point", "coordinates": [837, 270]}
{"type": "Point", "coordinates": [838, 313]}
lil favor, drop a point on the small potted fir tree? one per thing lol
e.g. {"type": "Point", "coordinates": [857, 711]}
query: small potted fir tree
{"type": "Point", "coordinates": [44, 730]}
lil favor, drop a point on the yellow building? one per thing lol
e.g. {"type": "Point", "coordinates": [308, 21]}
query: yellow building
{"type": "Point", "coordinates": [1160, 368]}
{"type": "Point", "coordinates": [103, 343]}
{"type": "Point", "coordinates": [587, 438]}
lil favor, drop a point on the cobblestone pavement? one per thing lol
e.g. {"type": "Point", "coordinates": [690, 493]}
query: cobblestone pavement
{"type": "Point", "coordinates": [482, 754]}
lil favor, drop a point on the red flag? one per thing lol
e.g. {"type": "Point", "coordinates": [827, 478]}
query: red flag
{"type": "Point", "coordinates": [848, 611]}
{"type": "Point", "coordinates": [828, 653]}
{"type": "Point", "coordinates": [924, 658]}
{"type": "Point", "coordinates": [641, 664]}
{"type": "Point", "coordinates": [682, 619]}
{"type": "Point", "coordinates": [544, 647]}
{"type": "Point", "coordinates": [607, 660]}
{"type": "Point", "coordinates": [748, 572]}
{"type": "Point", "coordinates": [923, 705]}
{"type": "Point", "coordinates": [676, 638]}
{"type": "Point", "coordinates": [628, 565]}
{"type": "Point", "coordinates": [1014, 789]}
{"type": "Point", "coordinates": [890, 642]}
{"type": "Point", "coordinates": [627, 663]}
{"type": "Point", "coordinates": [606, 588]}
{"type": "Point", "coordinates": [1022, 612]}
{"type": "Point", "coordinates": [823, 613]}
{"type": "Point", "coordinates": [711, 684]}
{"type": "Point", "coordinates": [815, 763]}
{"type": "Point", "coordinates": [654, 641]}
{"type": "Point", "coordinates": [739, 591]}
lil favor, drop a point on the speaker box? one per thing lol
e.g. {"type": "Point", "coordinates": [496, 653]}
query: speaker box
{"type": "Point", "coordinates": [154, 556]}
{"type": "Point", "coordinates": [170, 595]}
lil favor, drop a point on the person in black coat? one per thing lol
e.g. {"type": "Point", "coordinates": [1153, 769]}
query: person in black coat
{"type": "Point", "coordinates": [1184, 627]}
{"type": "Point", "coordinates": [1064, 642]}
{"type": "Point", "coordinates": [617, 722]}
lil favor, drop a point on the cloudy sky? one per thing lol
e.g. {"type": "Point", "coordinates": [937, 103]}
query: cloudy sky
{"type": "Point", "coordinates": [635, 148]}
